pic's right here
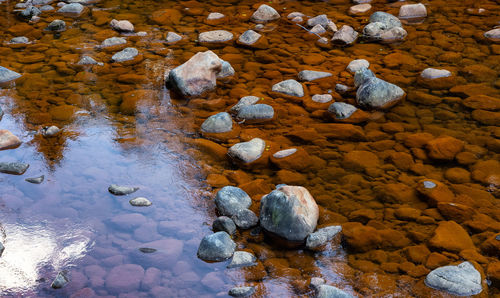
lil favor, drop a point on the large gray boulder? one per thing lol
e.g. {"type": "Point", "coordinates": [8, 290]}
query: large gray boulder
{"type": "Point", "coordinates": [289, 212]}
{"type": "Point", "coordinates": [265, 13]}
{"type": "Point", "coordinates": [7, 75]}
{"type": "Point", "coordinates": [247, 152]}
{"type": "Point", "coordinates": [230, 200]}
{"type": "Point", "coordinates": [218, 123]}
{"type": "Point", "coordinates": [216, 247]}
{"type": "Point", "coordinates": [385, 18]}
{"type": "Point", "coordinates": [197, 75]}
{"type": "Point", "coordinates": [289, 87]}
{"type": "Point", "coordinates": [460, 280]}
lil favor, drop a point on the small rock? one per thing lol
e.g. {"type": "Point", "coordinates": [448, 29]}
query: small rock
{"type": "Point", "coordinates": [50, 131]}
{"type": "Point", "coordinates": [218, 123]}
{"type": "Point", "coordinates": [321, 98]}
{"type": "Point", "coordinates": [46, 8]}
{"type": "Point", "coordinates": [7, 75]}
{"type": "Point", "coordinates": [216, 247]}
{"type": "Point", "coordinates": [242, 259]}
{"type": "Point", "coordinates": [331, 27]}
{"type": "Point", "coordinates": [225, 224]}
{"type": "Point", "coordinates": [284, 153]}
{"type": "Point", "coordinates": [173, 37]}
{"type": "Point", "coordinates": [412, 11]}
{"type": "Point", "coordinates": [140, 202]}
{"type": "Point", "coordinates": [241, 291]}
{"type": "Point", "coordinates": [2, 248]}
{"type": "Point", "coordinates": [357, 64]}
{"type": "Point", "coordinates": [215, 16]}
{"type": "Point", "coordinates": [265, 13]}
{"type": "Point", "coordinates": [230, 200]}
{"type": "Point", "coordinates": [341, 88]}
{"type": "Point", "coordinates": [386, 19]}
{"type": "Point", "coordinates": [247, 152]}
{"type": "Point", "coordinates": [297, 20]}
{"type": "Point", "coordinates": [126, 54]}
{"type": "Point", "coordinates": [244, 101]}
{"type": "Point", "coordinates": [245, 219]}
{"type": "Point", "coordinates": [30, 12]}
{"type": "Point", "coordinates": [35, 180]}
{"type": "Point", "coordinates": [19, 40]}
{"type": "Point", "coordinates": [326, 291]}
{"type": "Point", "coordinates": [318, 29]}
{"type": "Point", "coordinates": [316, 282]}
{"type": "Point", "coordinates": [493, 35]}
{"type": "Point", "coordinates": [295, 14]}
{"type": "Point", "coordinates": [121, 190]}
{"type": "Point", "coordinates": [226, 70]}
{"type": "Point", "coordinates": [289, 87]}
{"type": "Point", "coordinates": [318, 20]}
{"type": "Point", "coordinates": [249, 37]}
{"type": "Point", "coordinates": [432, 73]}
{"type": "Point", "coordinates": [342, 110]}
{"type": "Point", "coordinates": [374, 92]}
{"type": "Point", "coordinates": [87, 60]}
{"type": "Point", "coordinates": [147, 250]}
{"type": "Point", "coordinates": [60, 281]}
{"type": "Point", "coordinates": [73, 8]}
{"type": "Point", "coordinates": [113, 41]}
{"type": "Point", "coordinates": [256, 112]}
{"type": "Point", "coordinates": [460, 280]}
{"type": "Point", "coordinates": [14, 168]}
{"type": "Point", "coordinates": [429, 184]}
{"type": "Point", "coordinates": [311, 75]}
{"type": "Point", "coordinates": [215, 36]}
{"type": "Point", "coordinates": [345, 36]}
{"type": "Point", "coordinates": [360, 8]}
{"type": "Point", "coordinates": [8, 140]}
{"type": "Point", "coordinates": [122, 26]}
{"type": "Point", "coordinates": [322, 236]}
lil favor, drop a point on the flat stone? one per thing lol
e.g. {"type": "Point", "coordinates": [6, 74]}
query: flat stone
{"type": "Point", "coordinates": [289, 87]}
{"type": "Point", "coordinates": [256, 112]}
{"type": "Point", "coordinates": [360, 8]}
{"type": "Point", "coordinates": [218, 123]}
{"type": "Point", "coordinates": [322, 98]}
{"type": "Point", "coordinates": [322, 236]}
{"type": "Point", "coordinates": [460, 280]}
{"type": "Point", "coordinates": [215, 36]}
{"type": "Point", "coordinates": [14, 168]}
{"type": "Point", "coordinates": [493, 35]}
{"type": "Point", "coordinates": [318, 29]}
{"type": "Point", "coordinates": [215, 16]}
{"type": "Point", "coordinates": [113, 41]}
{"type": "Point", "coordinates": [122, 26]}
{"type": "Point", "coordinates": [216, 247]}
{"type": "Point", "coordinates": [318, 20]}
{"type": "Point", "coordinates": [7, 75]}
{"type": "Point", "coordinates": [357, 64]}
{"type": "Point", "coordinates": [433, 73]}
{"type": "Point", "coordinates": [73, 9]}
{"type": "Point", "coordinates": [244, 101]}
{"type": "Point", "coordinates": [35, 180]}
{"type": "Point", "coordinates": [242, 259]}
{"type": "Point", "coordinates": [345, 36]}
{"type": "Point", "coordinates": [311, 75]}
{"type": "Point", "coordinates": [46, 8]}
{"type": "Point", "coordinates": [224, 223]}
{"type": "Point", "coordinates": [265, 13]}
{"type": "Point", "coordinates": [126, 54]}
{"type": "Point", "coordinates": [8, 140]}
{"type": "Point", "coordinates": [124, 278]}
{"type": "Point", "coordinates": [230, 200]}
{"type": "Point", "coordinates": [326, 291]}
{"type": "Point", "coordinates": [412, 11]}
{"type": "Point", "coordinates": [284, 153]}
{"type": "Point", "coordinates": [247, 152]}
{"type": "Point", "coordinates": [121, 190]}
{"type": "Point", "coordinates": [241, 291]}
{"type": "Point", "coordinates": [342, 110]}
{"type": "Point", "coordinates": [295, 14]}
{"type": "Point", "coordinates": [249, 37]}
{"type": "Point", "coordinates": [140, 202]}
{"type": "Point", "coordinates": [173, 37]}
{"type": "Point", "coordinates": [19, 40]}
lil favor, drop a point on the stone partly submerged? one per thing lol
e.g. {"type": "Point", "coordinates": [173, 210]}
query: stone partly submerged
{"type": "Point", "coordinates": [118, 190]}
{"type": "Point", "coordinates": [35, 180]}
{"type": "Point", "coordinates": [216, 247]}
{"type": "Point", "coordinates": [265, 13]}
{"type": "Point", "coordinates": [14, 168]}
{"type": "Point", "coordinates": [247, 152]}
{"type": "Point", "coordinates": [7, 75]}
{"type": "Point", "coordinates": [460, 280]}
{"type": "Point", "coordinates": [289, 212]}
{"type": "Point", "coordinates": [376, 93]}
{"type": "Point", "coordinates": [60, 281]}
{"type": "Point", "coordinates": [230, 200]}
{"type": "Point", "coordinates": [326, 291]}
{"type": "Point", "coordinates": [384, 27]}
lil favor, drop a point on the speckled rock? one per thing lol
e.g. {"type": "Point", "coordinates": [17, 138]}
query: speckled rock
{"type": "Point", "coordinates": [113, 41]}
{"type": "Point", "coordinates": [173, 37]}
{"type": "Point", "coordinates": [230, 200]}
{"type": "Point", "coordinates": [322, 236]}
{"type": "Point", "coordinates": [289, 87]}
{"type": "Point", "coordinates": [140, 202]}
{"type": "Point", "coordinates": [247, 152]}
{"type": "Point", "coordinates": [342, 110]}
{"type": "Point", "coordinates": [7, 75]}
{"type": "Point", "coordinates": [14, 168]}
{"type": "Point", "coordinates": [122, 26]}
{"type": "Point", "coordinates": [216, 247]}
{"type": "Point", "coordinates": [121, 190]}
{"type": "Point", "coordinates": [256, 112]}
{"type": "Point", "coordinates": [126, 54]}
{"type": "Point", "coordinates": [265, 13]}
{"type": "Point", "coordinates": [318, 20]}
{"type": "Point", "coordinates": [242, 259]}
{"type": "Point", "coordinates": [357, 64]}
{"type": "Point", "coordinates": [460, 280]}
{"type": "Point", "coordinates": [245, 219]}
{"type": "Point", "coordinates": [225, 224]}
{"type": "Point", "coordinates": [311, 75]}
{"type": "Point", "coordinates": [241, 291]}
{"type": "Point", "coordinates": [215, 36]}
{"type": "Point", "coordinates": [345, 36]}
{"type": "Point", "coordinates": [218, 123]}
{"type": "Point", "coordinates": [326, 291]}
{"type": "Point", "coordinates": [56, 26]}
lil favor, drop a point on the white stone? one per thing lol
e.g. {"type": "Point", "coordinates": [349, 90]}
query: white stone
{"type": "Point", "coordinates": [412, 11]}
{"type": "Point", "coordinates": [433, 73]}
{"type": "Point", "coordinates": [357, 64]}
{"type": "Point", "coordinates": [215, 16]}
{"type": "Point", "coordinates": [360, 8]}
{"type": "Point", "coordinates": [123, 26]}
{"type": "Point", "coordinates": [265, 13]}
{"type": "Point", "coordinates": [215, 36]}
{"type": "Point", "coordinates": [322, 98]}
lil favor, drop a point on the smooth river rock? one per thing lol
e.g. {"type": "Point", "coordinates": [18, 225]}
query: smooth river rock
{"type": "Point", "coordinates": [122, 26]}
{"type": "Point", "coordinates": [376, 93]}
{"type": "Point", "coordinates": [318, 20]}
{"type": "Point", "coordinates": [230, 200]}
{"type": "Point", "coordinates": [311, 75]}
{"type": "Point", "coordinates": [326, 291]}
{"type": "Point", "coordinates": [493, 35]}
{"type": "Point", "coordinates": [322, 236]}
{"type": "Point", "coordinates": [245, 219]}
{"type": "Point", "coordinates": [126, 54]}
{"type": "Point", "coordinates": [249, 38]}
{"type": "Point", "coordinates": [215, 36]}
{"type": "Point", "coordinates": [265, 13]}
{"type": "Point", "coordinates": [412, 11]}
{"type": "Point", "coordinates": [218, 123]}
{"type": "Point", "coordinates": [173, 37]}
{"type": "Point", "coordinates": [14, 168]}
{"type": "Point", "coordinates": [345, 36]}
{"type": "Point", "coordinates": [118, 190]}
{"type": "Point", "coordinates": [113, 41]}
{"type": "Point", "coordinates": [8, 140]}
{"type": "Point", "coordinates": [56, 26]}
{"type": "Point", "coordinates": [256, 112]}
{"type": "Point", "coordinates": [7, 75]}
{"type": "Point", "coordinates": [216, 247]}
{"type": "Point", "coordinates": [342, 110]}
{"type": "Point", "coordinates": [247, 152]}
{"type": "Point", "coordinates": [460, 280]}
{"type": "Point", "coordinates": [50, 131]}
{"type": "Point", "coordinates": [241, 291]}
{"type": "Point", "coordinates": [242, 259]}
{"type": "Point", "coordinates": [433, 73]}
{"type": "Point", "coordinates": [72, 9]}
{"type": "Point", "coordinates": [244, 101]}
{"type": "Point", "coordinates": [224, 223]}
{"type": "Point", "coordinates": [289, 87]}
{"type": "Point", "coordinates": [140, 202]}
{"type": "Point", "coordinates": [357, 64]}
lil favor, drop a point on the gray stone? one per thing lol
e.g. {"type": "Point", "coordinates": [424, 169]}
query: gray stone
{"type": "Point", "coordinates": [393, 35]}
{"type": "Point", "coordinates": [385, 18]}
{"type": "Point", "coordinates": [256, 112]}
{"type": "Point", "coordinates": [341, 88]}
{"type": "Point", "coordinates": [433, 73]}
{"type": "Point", "coordinates": [326, 291]}
{"type": "Point", "coordinates": [298, 20]}
{"type": "Point", "coordinates": [113, 41]}
{"type": "Point", "coordinates": [218, 123]}
{"type": "Point", "coordinates": [311, 75]}
{"type": "Point", "coordinates": [241, 291]}
{"type": "Point", "coordinates": [60, 281]}
{"type": "Point", "coordinates": [35, 180]}
{"type": "Point", "coordinates": [87, 60]}
{"type": "Point", "coordinates": [249, 37]}
{"type": "Point", "coordinates": [360, 8]}
{"type": "Point", "coordinates": [121, 190]}
{"type": "Point", "coordinates": [29, 12]}
{"type": "Point", "coordinates": [140, 202]}
{"type": "Point", "coordinates": [460, 280]}
{"type": "Point", "coordinates": [14, 168]}
{"type": "Point", "coordinates": [322, 236]}
{"type": "Point", "coordinates": [429, 184]}
{"type": "Point", "coordinates": [384, 27]}
{"type": "Point", "coordinates": [289, 87]}
{"type": "Point", "coordinates": [224, 223]}
{"type": "Point", "coordinates": [357, 64]}
{"type": "Point", "coordinates": [216, 247]}
{"type": "Point", "coordinates": [412, 11]}
{"type": "Point", "coordinates": [19, 40]}
{"type": "Point", "coordinates": [122, 26]}
{"type": "Point", "coordinates": [41, 2]}
{"type": "Point", "coordinates": [215, 36]}
{"type": "Point", "coordinates": [230, 200]}
{"type": "Point", "coordinates": [289, 212]}
{"type": "Point", "coordinates": [124, 278]}
{"type": "Point", "coordinates": [244, 101]}
{"type": "Point", "coordinates": [126, 54]}
{"type": "Point", "coordinates": [245, 219]}
{"type": "Point", "coordinates": [321, 98]}
{"type": "Point", "coordinates": [7, 75]}
{"type": "Point", "coordinates": [73, 8]}
{"type": "Point", "coordinates": [332, 27]}
{"type": "Point", "coordinates": [361, 76]}
{"type": "Point", "coordinates": [226, 70]}
{"type": "Point", "coordinates": [265, 13]}
{"type": "Point", "coordinates": [377, 93]}
{"type": "Point", "coordinates": [247, 151]}
{"type": "Point", "coordinates": [295, 14]}
{"type": "Point", "coordinates": [2, 248]}
{"type": "Point", "coordinates": [493, 35]}
{"type": "Point", "coordinates": [342, 110]}
{"type": "Point", "coordinates": [284, 153]}
{"type": "Point", "coordinates": [215, 16]}
{"type": "Point", "coordinates": [345, 36]}
{"type": "Point", "coordinates": [50, 131]}
{"type": "Point", "coordinates": [316, 282]}
{"type": "Point", "coordinates": [242, 259]}
{"type": "Point", "coordinates": [318, 20]}
{"type": "Point", "coordinates": [173, 37]}
{"type": "Point", "coordinates": [46, 8]}
{"type": "Point", "coordinates": [318, 29]}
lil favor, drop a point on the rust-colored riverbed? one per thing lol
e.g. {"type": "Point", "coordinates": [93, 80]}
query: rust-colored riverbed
{"type": "Point", "coordinates": [121, 125]}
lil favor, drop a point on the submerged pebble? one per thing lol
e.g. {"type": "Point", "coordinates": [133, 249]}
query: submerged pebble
{"type": "Point", "coordinates": [121, 190]}
{"type": "Point", "coordinates": [140, 202]}
{"type": "Point", "coordinates": [35, 180]}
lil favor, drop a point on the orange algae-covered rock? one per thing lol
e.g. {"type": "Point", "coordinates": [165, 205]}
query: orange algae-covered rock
{"type": "Point", "coordinates": [455, 211]}
{"type": "Point", "coordinates": [360, 160]}
{"type": "Point", "coordinates": [452, 237]}
{"type": "Point", "coordinates": [423, 98]}
{"type": "Point", "coordinates": [62, 112]}
{"type": "Point", "coordinates": [359, 237]}
{"type": "Point", "coordinates": [486, 117]}
{"type": "Point", "coordinates": [417, 254]}
{"type": "Point", "coordinates": [435, 260]}
{"type": "Point", "coordinates": [493, 273]}
{"type": "Point", "coordinates": [290, 177]}
{"type": "Point", "coordinates": [256, 187]}
{"type": "Point", "coordinates": [492, 245]}
{"type": "Point", "coordinates": [166, 16]}
{"type": "Point", "coordinates": [457, 175]}
{"type": "Point", "coordinates": [339, 131]}
{"type": "Point", "coordinates": [291, 159]}
{"type": "Point", "coordinates": [213, 149]}
{"type": "Point", "coordinates": [418, 140]}
{"type": "Point", "coordinates": [407, 213]}
{"type": "Point", "coordinates": [482, 102]}
{"type": "Point", "coordinates": [397, 193]}
{"type": "Point", "coordinates": [131, 99]}
{"type": "Point", "coordinates": [444, 148]}
{"type": "Point", "coordinates": [486, 171]}
{"type": "Point", "coordinates": [217, 180]}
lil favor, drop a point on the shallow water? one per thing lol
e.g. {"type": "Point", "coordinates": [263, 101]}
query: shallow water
{"type": "Point", "coordinates": [71, 222]}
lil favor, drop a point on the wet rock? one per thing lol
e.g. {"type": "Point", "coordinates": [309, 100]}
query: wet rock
{"type": "Point", "coordinates": [362, 76]}
{"type": "Point", "coordinates": [295, 14]}
{"type": "Point", "coordinates": [29, 12]}
{"type": "Point", "coordinates": [121, 190]}
{"type": "Point", "coordinates": [345, 36]}
{"type": "Point", "coordinates": [265, 13]}
{"type": "Point", "coordinates": [225, 224]}
{"type": "Point", "coordinates": [2, 248]}
{"type": "Point", "coordinates": [215, 16]}
{"type": "Point", "coordinates": [140, 202]}
{"type": "Point", "coordinates": [197, 75]}
{"type": "Point", "coordinates": [121, 26]}
{"type": "Point", "coordinates": [360, 8]}
{"type": "Point", "coordinates": [331, 27]}
{"type": "Point", "coordinates": [316, 282]}
{"type": "Point", "coordinates": [60, 281]}
{"type": "Point", "coordinates": [124, 278]}
{"type": "Point", "coordinates": [242, 259]}
{"type": "Point", "coordinates": [289, 212]}
{"type": "Point", "coordinates": [460, 280]}
{"type": "Point", "coordinates": [19, 40]}
{"type": "Point", "coordinates": [230, 200]}
{"type": "Point", "coordinates": [249, 38]}
{"type": "Point", "coordinates": [387, 19]}
{"type": "Point", "coordinates": [342, 110]}
{"type": "Point", "coordinates": [46, 8]}
{"type": "Point", "coordinates": [384, 27]}
{"type": "Point", "coordinates": [412, 11]}
{"type": "Point", "coordinates": [218, 123]}
{"type": "Point", "coordinates": [289, 87]}
{"type": "Point", "coordinates": [147, 250]}
{"type": "Point", "coordinates": [7, 75]}
{"type": "Point", "coordinates": [432, 73]}
{"type": "Point", "coordinates": [8, 140]}
{"type": "Point", "coordinates": [87, 60]}
{"type": "Point", "coordinates": [322, 236]}
{"type": "Point", "coordinates": [126, 54]}
{"type": "Point", "coordinates": [173, 37]}
{"type": "Point", "coordinates": [245, 219]}
{"type": "Point", "coordinates": [376, 93]}
{"type": "Point", "coordinates": [216, 247]}
{"type": "Point", "coordinates": [226, 70]}
{"type": "Point", "coordinates": [73, 8]}
{"type": "Point", "coordinates": [483, 102]}
{"type": "Point", "coordinates": [14, 168]}
{"type": "Point", "coordinates": [318, 20]}
{"type": "Point", "coordinates": [297, 20]}
{"type": "Point", "coordinates": [360, 160]}
{"type": "Point", "coordinates": [50, 131]}
{"type": "Point", "coordinates": [215, 36]}
{"type": "Point", "coordinates": [326, 291]}
{"type": "Point", "coordinates": [452, 237]}
{"type": "Point", "coordinates": [342, 89]}
{"type": "Point", "coordinates": [311, 75]}
{"type": "Point", "coordinates": [256, 112]}
{"type": "Point", "coordinates": [357, 64]}
{"type": "Point", "coordinates": [241, 291]}
{"type": "Point", "coordinates": [244, 101]}
{"type": "Point", "coordinates": [318, 29]}
{"type": "Point", "coordinates": [35, 180]}
{"type": "Point", "coordinates": [444, 148]}
{"type": "Point", "coordinates": [113, 41]}
{"type": "Point", "coordinates": [247, 152]}
{"type": "Point", "coordinates": [493, 35]}
{"type": "Point", "coordinates": [322, 98]}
